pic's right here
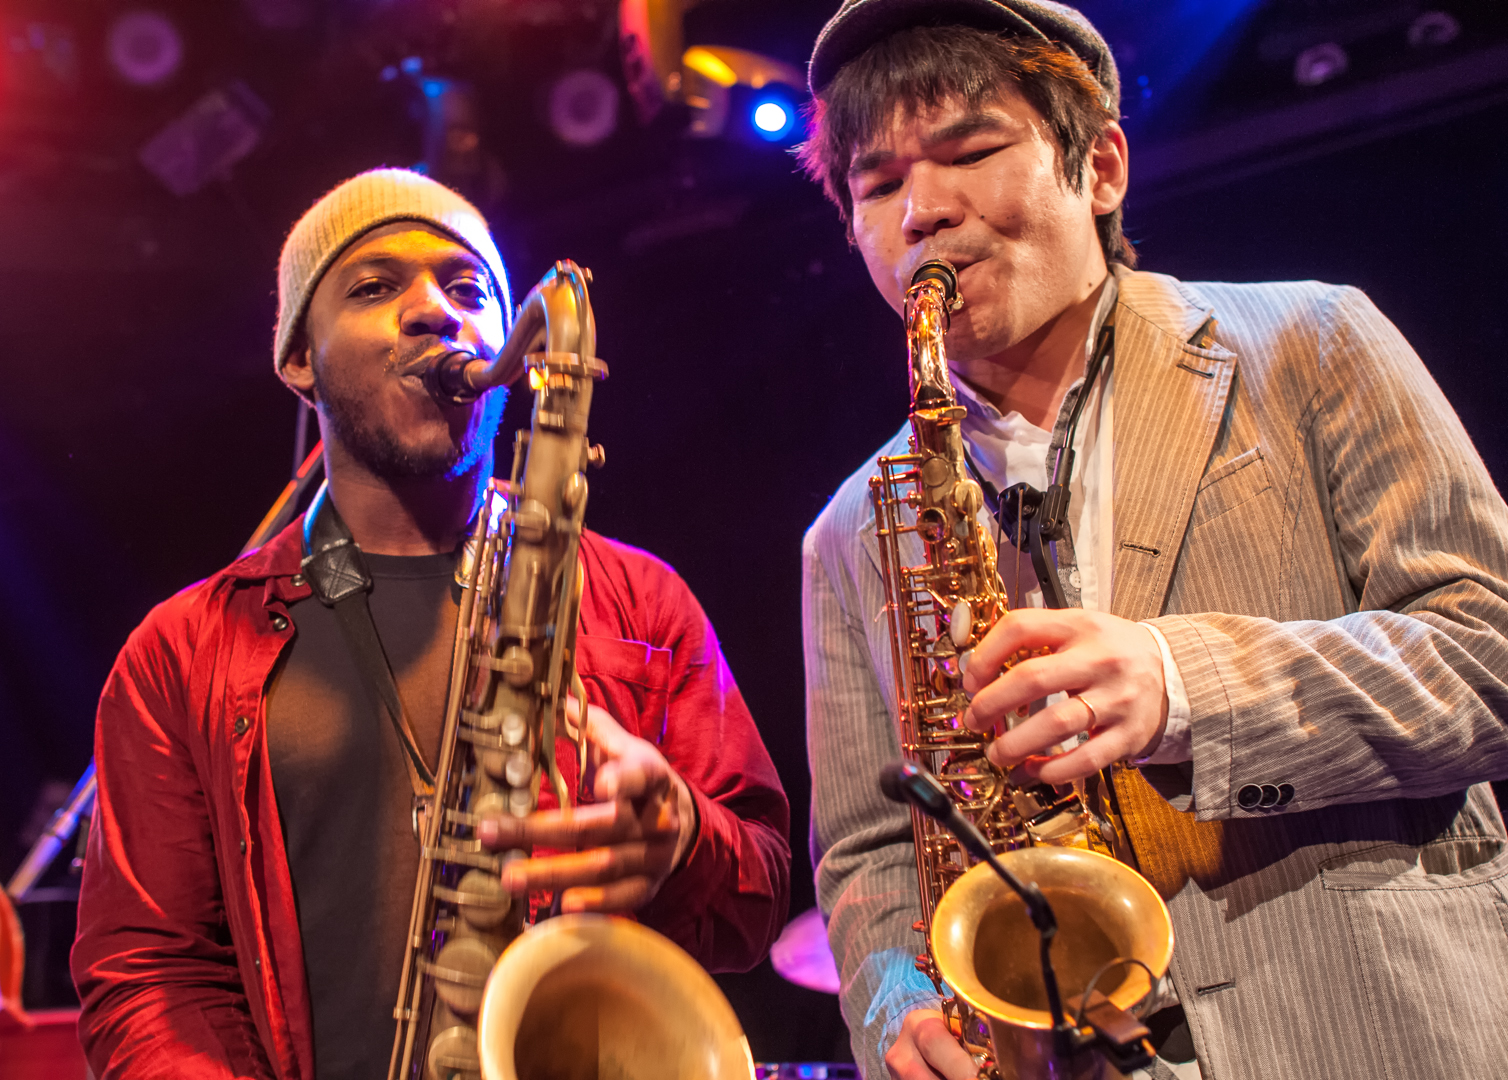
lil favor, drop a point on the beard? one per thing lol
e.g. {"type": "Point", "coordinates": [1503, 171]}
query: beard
{"type": "Point", "coordinates": [382, 450]}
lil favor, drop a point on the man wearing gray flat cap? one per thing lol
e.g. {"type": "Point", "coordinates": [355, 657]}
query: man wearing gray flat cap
{"type": "Point", "coordinates": [1271, 637]}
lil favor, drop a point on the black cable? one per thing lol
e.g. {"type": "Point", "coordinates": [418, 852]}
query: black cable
{"type": "Point", "coordinates": [1078, 1020]}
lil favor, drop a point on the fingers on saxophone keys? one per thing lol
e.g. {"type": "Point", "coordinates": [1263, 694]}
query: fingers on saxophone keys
{"type": "Point", "coordinates": [1083, 760]}
{"type": "Point", "coordinates": [597, 866]}
{"type": "Point", "coordinates": [1042, 733]}
{"type": "Point", "coordinates": [1032, 678]}
{"type": "Point", "coordinates": [626, 895]}
{"type": "Point", "coordinates": [1025, 628]}
{"type": "Point", "coordinates": [583, 826]}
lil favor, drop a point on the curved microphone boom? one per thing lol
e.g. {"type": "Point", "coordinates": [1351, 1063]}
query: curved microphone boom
{"type": "Point", "coordinates": [1114, 1032]}
{"type": "Point", "coordinates": [908, 782]}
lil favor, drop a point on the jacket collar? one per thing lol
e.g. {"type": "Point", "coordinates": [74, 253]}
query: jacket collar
{"type": "Point", "coordinates": [277, 558]}
{"type": "Point", "coordinates": [1170, 400]}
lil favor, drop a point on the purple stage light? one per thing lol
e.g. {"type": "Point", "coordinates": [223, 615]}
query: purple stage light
{"type": "Point", "coordinates": [145, 48]}
{"type": "Point", "coordinates": [1320, 64]}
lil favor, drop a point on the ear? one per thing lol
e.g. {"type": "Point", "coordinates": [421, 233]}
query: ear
{"type": "Point", "coordinates": [1108, 169]}
{"type": "Point", "coordinates": [297, 371]}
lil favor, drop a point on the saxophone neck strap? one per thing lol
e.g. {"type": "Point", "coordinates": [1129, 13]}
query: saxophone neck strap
{"type": "Point", "coordinates": [337, 573]}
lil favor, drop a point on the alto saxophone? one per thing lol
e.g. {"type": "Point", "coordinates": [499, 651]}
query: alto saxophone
{"type": "Point", "coordinates": [939, 610]}
{"type": "Point", "coordinates": [470, 945]}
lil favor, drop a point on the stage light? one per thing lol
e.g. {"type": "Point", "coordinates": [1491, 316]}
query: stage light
{"type": "Point", "coordinates": [583, 107]}
{"type": "Point", "coordinates": [202, 145]}
{"type": "Point", "coordinates": [1320, 64]}
{"type": "Point", "coordinates": [1433, 28]}
{"type": "Point", "coordinates": [740, 93]}
{"type": "Point", "coordinates": [773, 120]}
{"type": "Point", "coordinates": [145, 48]}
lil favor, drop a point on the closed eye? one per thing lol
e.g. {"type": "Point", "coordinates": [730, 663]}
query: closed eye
{"type": "Point", "coordinates": [976, 156]}
{"type": "Point", "coordinates": [881, 189]}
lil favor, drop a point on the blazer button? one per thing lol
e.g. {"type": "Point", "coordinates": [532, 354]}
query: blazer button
{"type": "Point", "coordinates": [1249, 797]}
{"type": "Point", "coordinates": [298, 581]}
{"type": "Point", "coordinates": [1270, 795]}
{"type": "Point", "coordinates": [280, 622]}
{"type": "Point", "coordinates": [1285, 794]}
{"type": "Point", "coordinates": [241, 725]}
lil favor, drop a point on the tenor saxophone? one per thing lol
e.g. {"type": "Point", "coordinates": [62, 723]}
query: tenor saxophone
{"type": "Point", "coordinates": [482, 993]}
{"type": "Point", "coordinates": [939, 609]}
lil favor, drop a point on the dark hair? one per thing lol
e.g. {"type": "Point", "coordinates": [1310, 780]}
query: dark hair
{"type": "Point", "coordinates": [922, 67]}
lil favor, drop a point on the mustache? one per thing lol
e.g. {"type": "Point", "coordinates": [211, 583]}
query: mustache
{"type": "Point", "coordinates": [420, 358]}
{"type": "Point", "coordinates": [959, 256]}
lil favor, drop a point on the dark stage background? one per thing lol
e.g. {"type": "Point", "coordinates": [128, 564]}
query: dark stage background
{"type": "Point", "coordinates": [142, 433]}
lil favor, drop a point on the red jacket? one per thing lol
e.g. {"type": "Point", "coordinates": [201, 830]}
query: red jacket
{"type": "Point", "coordinates": [188, 958]}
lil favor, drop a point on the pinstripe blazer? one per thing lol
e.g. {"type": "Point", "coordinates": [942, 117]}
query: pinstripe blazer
{"type": "Point", "coordinates": [1299, 511]}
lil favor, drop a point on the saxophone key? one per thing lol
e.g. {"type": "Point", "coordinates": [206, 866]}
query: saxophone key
{"type": "Point", "coordinates": [460, 972]}
{"type": "Point", "coordinates": [453, 1055]}
{"type": "Point", "coordinates": [961, 623]}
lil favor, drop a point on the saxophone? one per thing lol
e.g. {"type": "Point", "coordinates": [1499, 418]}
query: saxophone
{"type": "Point", "coordinates": [471, 955]}
{"type": "Point", "coordinates": [938, 611]}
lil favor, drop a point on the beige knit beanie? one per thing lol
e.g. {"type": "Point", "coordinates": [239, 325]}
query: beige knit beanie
{"type": "Point", "coordinates": [356, 207]}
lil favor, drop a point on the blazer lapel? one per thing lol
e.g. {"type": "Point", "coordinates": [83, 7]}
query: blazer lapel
{"type": "Point", "coordinates": [1170, 398]}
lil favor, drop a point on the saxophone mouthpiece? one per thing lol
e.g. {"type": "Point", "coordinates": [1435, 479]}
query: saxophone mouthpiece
{"type": "Point", "coordinates": [942, 273]}
{"type": "Point", "coordinates": [457, 377]}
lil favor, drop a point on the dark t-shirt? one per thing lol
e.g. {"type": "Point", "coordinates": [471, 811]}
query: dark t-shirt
{"type": "Point", "coordinates": [345, 799]}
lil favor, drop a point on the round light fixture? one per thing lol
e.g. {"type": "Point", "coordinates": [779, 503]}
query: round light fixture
{"type": "Point", "coordinates": [583, 107]}
{"type": "Point", "coordinates": [1433, 28]}
{"type": "Point", "coordinates": [773, 119]}
{"type": "Point", "coordinates": [1320, 64]}
{"type": "Point", "coordinates": [145, 48]}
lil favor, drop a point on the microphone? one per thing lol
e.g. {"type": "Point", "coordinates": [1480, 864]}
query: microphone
{"type": "Point", "coordinates": [1121, 1037]}
{"type": "Point", "coordinates": [908, 782]}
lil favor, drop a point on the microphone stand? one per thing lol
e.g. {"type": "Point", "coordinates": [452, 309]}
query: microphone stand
{"type": "Point", "coordinates": [908, 782]}
{"type": "Point", "coordinates": [65, 822]}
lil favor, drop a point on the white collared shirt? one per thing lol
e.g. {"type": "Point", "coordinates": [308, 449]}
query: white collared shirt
{"type": "Point", "coordinates": [1008, 449]}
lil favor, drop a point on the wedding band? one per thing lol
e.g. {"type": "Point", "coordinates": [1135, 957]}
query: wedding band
{"type": "Point", "coordinates": [1094, 717]}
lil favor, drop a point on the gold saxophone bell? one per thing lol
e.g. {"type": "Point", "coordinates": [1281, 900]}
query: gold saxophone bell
{"type": "Point", "coordinates": [593, 997]}
{"type": "Point", "coordinates": [987, 950]}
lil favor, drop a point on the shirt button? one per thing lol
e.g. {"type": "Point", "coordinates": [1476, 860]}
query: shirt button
{"type": "Point", "coordinates": [280, 622]}
{"type": "Point", "coordinates": [241, 725]}
{"type": "Point", "coordinates": [1249, 797]}
{"type": "Point", "coordinates": [243, 847]}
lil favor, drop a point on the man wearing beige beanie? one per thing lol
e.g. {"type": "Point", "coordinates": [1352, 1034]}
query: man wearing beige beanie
{"type": "Point", "coordinates": [247, 888]}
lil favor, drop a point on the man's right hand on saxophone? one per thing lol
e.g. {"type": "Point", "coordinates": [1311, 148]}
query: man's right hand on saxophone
{"type": "Point", "coordinates": [1109, 671]}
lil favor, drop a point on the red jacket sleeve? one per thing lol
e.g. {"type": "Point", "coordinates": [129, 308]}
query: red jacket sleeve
{"type": "Point", "coordinates": [154, 963]}
{"type": "Point", "coordinates": [728, 900]}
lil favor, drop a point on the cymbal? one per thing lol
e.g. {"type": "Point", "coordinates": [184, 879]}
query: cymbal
{"type": "Point", "coordinates": [802, 955]}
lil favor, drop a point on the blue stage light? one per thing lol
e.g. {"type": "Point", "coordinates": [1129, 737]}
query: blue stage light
{"type": "Point", "coordinates": [773, 119]}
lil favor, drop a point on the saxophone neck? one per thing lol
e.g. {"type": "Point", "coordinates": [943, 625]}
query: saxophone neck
{"type": "Point", "coordinates": [930, 302]}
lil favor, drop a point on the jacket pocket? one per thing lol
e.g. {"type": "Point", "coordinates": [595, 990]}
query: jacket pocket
{"type": "Point", "coordinates": [1429, 926]}
{"type": "Point", "coordinates": [1230, 484]}
{"type": "Point", "coordinates": [630, 679]}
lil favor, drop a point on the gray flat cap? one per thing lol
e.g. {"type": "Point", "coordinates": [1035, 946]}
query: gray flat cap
{"type": "Point", "coordinates": [860, 23]}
